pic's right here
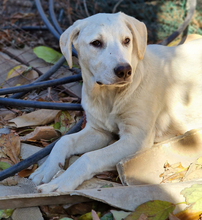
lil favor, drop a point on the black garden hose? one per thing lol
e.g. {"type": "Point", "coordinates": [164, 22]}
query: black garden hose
{"type": "Point", "coordinates": [35, 157]}
{"type": "Point", "coordinates": [45, 19]}
{"type": "Point", "coordinates": [37, 104]}
{"type": "Point", "coordinates": [53, 17]}
{"type": "Point", "coordinates": [49, 83]}
{"type": "Point", "coordinates": [49, 25]}
{"type": "Point", "coordinates": [43, 77]}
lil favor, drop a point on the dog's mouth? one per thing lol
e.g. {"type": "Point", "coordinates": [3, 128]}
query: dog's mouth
{"type": "Point", "coordinates": [99, 83]}
{"type": "Point", "coordinates": [120, 83]}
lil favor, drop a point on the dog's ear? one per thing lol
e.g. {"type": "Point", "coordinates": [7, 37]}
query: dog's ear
{"type": "Point", "coordinates": [139, 32]}
{"type": "Point", "coordinates": [67, 39]}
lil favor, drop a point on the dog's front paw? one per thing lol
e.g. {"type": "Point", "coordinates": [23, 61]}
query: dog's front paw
{"type": "Point", "coordinates": [58, 184]}
{"type": "Point", "coordinates": [45, 172]}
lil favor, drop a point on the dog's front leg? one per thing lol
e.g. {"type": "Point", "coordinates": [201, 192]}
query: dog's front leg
{"type": "Point", "coordinates": [91, 163]}
{"type": "Point", "coordinates": [86, 140]}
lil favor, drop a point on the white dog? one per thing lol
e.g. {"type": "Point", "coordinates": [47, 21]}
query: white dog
{"type": "Point", "coordinates": [140, 93]}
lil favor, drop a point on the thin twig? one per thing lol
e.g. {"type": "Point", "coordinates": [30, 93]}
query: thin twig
{"type": "Point", "coordinates": [86, 9]}
{"type": "Point", "coordinates": [115, 7]}
{"type": "Point", "coordinates": [69, 12]}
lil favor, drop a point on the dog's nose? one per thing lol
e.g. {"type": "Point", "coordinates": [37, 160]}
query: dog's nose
{"type": "Point", "coordinates": [123, 71]}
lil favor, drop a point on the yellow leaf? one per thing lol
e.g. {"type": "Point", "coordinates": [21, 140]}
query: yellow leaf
{"type": "Point", "coordinates": [16, 71]}
{"type": "Point", "coordinates": [199, 160]}
{"type": "Point", "coordinates": [189, 215]}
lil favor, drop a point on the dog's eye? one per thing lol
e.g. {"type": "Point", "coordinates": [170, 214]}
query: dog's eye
{"type": "Point", "coordinates": [96, 43]}
{"type": "Point", "coordinates": [126, 41]}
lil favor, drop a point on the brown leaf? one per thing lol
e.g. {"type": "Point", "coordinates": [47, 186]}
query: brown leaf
{"type": "Point", "coordinates": [39, 133]}
{"type": "Point", "coordinates": [143, 217]}
{"type": "Point", "coordinates": [19, 15]}
{"type": "Point", "coordinates": [189, 215]}
{"type": "Point", "coordinates": [10, 116]}
{"type": "Point", "coordinates": [108, 175]}
{"type": "Point", "coordinates": [80, 208]}
{"type": "Point", "coordinates": [10, 147]}
{"type": "Point", "coordinates": [39, 117]}
{"type": "Point", "coordinates": [173, 217]}
{"type": "Point", "coordinates": [27, 172]}
{"type": "Point", "coordinates": [69, 99]}
{"type": "Point", "coordinates": [53, 211]}
{"type": "Point", "coordinates": [84, 121]}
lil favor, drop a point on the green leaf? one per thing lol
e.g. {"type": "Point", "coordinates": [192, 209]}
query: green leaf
{"type": "Point", "coordinates": [63, 122]}
{"type": "Point", "coordinates": [6, 213]}
{"type": "Point", "coordinates": [57, 125]}
{"type": "Point", "coordinates": [193, 197]}
{"type": "Point", "coordinates": [65, 218]}
{"type": "Point", "coordinates": [107, 216]}
{"type": "Point", "coordinates": [154, 210]}
{"type": "Point", "coordinates": [107, 185]}
{"type": "Point", "coordinates": [47, 54]}
{"type": "Point", "coordinates": [119, 215]}
{"type": "Point", "coordinates": [4, 165]}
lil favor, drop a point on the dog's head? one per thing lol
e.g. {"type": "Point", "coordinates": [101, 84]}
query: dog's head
{"type": "Point", "coordinates": [109, 47]}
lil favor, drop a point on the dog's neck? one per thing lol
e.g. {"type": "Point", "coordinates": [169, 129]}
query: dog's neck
{"type": "Point", "coordinates": [108, 96]}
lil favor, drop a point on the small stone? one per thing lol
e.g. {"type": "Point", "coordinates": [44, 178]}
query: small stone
{"type": "Point", "coordinates": [32, 213]}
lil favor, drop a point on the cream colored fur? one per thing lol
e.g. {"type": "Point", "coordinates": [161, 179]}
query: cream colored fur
{"type": "Point", "coordinates": [162, 98]}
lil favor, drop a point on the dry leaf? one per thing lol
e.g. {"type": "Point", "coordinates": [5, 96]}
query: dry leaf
{"type": "Point", "coordinates": [84, 121]}
{"type": "Point", "coordinates": [173, 173]}
{"type": "Point", "coordinates": [20, 75]}
{"type": "Point", "coordinates": [27, 172]}
{"type": "Point", "coordinates": [143, 217]}
{"type": "Point", "coordinates": [173, 217]}
{"type": "Point", "coordinates": [10, 147]}
{"type": "Point", "coordinates": [69, 99]}
{"type": "Point", "coordinates": [10, 116]}
{"type": "Point", "coordinates": [189, 215]}
{"type": "Point", "coordinates": [39, 117]}
{"type": "Point", "coordinates": [112, 175]}
{"type": "Point", "coordinates": [39, 133]}
{"type": "Point", "coordinates": [79, 208]}
{"type": "Point", "coordinates": [194, 171]}
{"type": "Point", "coordinates": [20, 15]}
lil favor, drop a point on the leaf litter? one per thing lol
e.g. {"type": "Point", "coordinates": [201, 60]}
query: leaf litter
{"type": "Point", "coordinates": [177, 173]}
{"type": "Point", "coordinates": [10, 148]}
